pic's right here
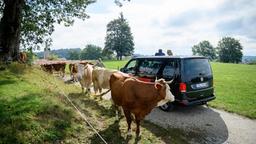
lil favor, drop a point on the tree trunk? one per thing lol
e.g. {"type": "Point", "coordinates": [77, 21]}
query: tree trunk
{"type": "Point", "coordinates": [10, 29]}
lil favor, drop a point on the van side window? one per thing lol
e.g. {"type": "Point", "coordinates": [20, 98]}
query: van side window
{"type": "Point", "coordinates": [169, 70]}
{"type": "Point", "coordinates": [149, 68]}
{"type": "Point", "coordinates": [130, 68]}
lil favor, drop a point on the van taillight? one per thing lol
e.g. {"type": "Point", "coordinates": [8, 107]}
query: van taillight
{"type": "Point", "coordinates": [183, 87]}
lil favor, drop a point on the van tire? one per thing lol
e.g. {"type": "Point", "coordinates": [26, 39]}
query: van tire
{"type": "Point", "coordinates": [167, 107]}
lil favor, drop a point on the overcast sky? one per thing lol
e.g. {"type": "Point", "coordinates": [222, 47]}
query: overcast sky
{"type": "Point", "coordinates": [166, 24]}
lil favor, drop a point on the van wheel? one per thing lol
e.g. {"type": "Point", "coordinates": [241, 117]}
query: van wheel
{"type": "Point", "coordinates": [167, 107]}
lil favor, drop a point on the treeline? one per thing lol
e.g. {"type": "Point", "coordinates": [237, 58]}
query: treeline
{"type": "Point", "coordinates": [90, 52]}
{"type": "Point", "coordinates": [228, 50]}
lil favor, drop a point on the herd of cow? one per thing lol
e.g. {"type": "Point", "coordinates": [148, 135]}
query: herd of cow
{"type": "Point", "coordinates": [127, 92]}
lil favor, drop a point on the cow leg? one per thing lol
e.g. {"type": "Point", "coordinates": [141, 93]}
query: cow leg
{"type": "Point", "coordinates": [100, 90]}
{"type": "Point", "coordinates": [96, 86]}
{"type": "Point", "coordinates": [82, 89]}
{"type": "Point", "coordinates": [127, 114]}
{"type": "Point", "coordinates": [63, 73]}
{"type": "Point", "coordinates": [88, 91]}
{"type": "Point", "coordinates": [138, 126]}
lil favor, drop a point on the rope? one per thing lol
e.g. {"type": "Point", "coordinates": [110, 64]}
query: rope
{"type": "Point", "coordinates": [82, 115]}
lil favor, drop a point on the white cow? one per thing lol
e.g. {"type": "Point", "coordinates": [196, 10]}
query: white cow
{"type": "Point", "coordinates": [84, 76]}
{"type": "Point", "coordinates": [100, 78]}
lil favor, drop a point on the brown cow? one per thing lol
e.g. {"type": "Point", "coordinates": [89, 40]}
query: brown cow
{"type": "Point", "coordinates": [23, 57]}
{"type": "Point", "coordinates": [47, 68]}
{"type": "Point", "coordinates": [60, 67]}
{"type": "Point", "coordinates": [138, 97]}
{"type": "Point", "coordinates": [73, 70]}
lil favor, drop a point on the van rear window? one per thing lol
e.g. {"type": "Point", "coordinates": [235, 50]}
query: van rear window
{"type": "Point", "coordinates": [196, 67]}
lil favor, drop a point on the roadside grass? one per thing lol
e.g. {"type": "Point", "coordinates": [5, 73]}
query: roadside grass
{"type": "Point", "coordinates": [31, 108]}
{"type": "Point", "coordinates": [34, 110]}
{"type": "Point", "coordinates": [235, 88]}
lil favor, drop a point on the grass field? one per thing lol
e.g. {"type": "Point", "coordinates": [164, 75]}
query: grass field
{"type": "Point", "coordinates": [34, 110]}
{"type": "Point", "coordinates": [115, 64]}
{"type": "Point", "coordinates": [235, 87]}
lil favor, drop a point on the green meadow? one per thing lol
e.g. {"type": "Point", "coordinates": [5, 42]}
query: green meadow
{"type": "Point", "coordinates": [235, 88]}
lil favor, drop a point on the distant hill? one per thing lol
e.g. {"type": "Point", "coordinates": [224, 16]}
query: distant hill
{"type": "Point", "coordinates": [248, 59]}
{"type": "Point", "coordinates": [61, 53]}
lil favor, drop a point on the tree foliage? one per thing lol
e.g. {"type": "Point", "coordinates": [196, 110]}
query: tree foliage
{"type": "Point", "coordinates": [73, 55]}
{"type": "Point", "coordinates": [119, 38]}
{"type": "Point", "coordinates": [31, 22]}
{"type": "Point", "coordinates": [230, 50]}
{"type": "Point", "coordinates": [39, 17]}
{"type": "Point", "coordinates": [91, 52]}
{"type": "Point", "coordinates": [204, 48]}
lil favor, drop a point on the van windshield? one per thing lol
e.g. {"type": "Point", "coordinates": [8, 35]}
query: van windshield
{"type": "Point", "coordinates": [194, 68]}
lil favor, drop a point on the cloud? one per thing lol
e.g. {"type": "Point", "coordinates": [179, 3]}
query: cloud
{"type": "Point", "coordinates": [175, 24]}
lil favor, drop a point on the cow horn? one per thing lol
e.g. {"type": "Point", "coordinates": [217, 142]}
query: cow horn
{"type": "Point", "coordinates": [156, 79]}
{"type": "Point", "coordinates": [169, 82]}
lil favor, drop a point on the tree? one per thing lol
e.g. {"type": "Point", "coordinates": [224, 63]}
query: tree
{"type": "Point", "coordinates": [204, 48]}
{"type": "Point", "coordinates": [230, 50]}
{"type": "Point", "coordinates": [119, 38]}
{"type": "Point", "coordinates": [73, 55]}
{"type": "Point", "coordinates": [91, 52]}
{"type": "Point", "coordinates": [31, 22]}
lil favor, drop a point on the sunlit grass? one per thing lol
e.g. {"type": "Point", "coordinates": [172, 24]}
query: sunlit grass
{"type": "Point", "coordinates": [235, 88]}
{"type": "Point", "coordinates": [115, 64]}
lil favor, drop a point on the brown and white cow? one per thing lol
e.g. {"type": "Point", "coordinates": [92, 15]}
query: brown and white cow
{"type": "Point", "coordinates": [47, 68]}
{"type": "Point", "coordinates": [84, 76]}
{"type": "Point", "coordinates": [138, 97]}
{"type": "Point", "coordinates": [73, 70]}
{"type": "Point", "coordinates": [60, 68]}
{"type": "Point", "coordinates": [100, 78]}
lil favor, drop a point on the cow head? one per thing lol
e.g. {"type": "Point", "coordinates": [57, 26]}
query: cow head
{"type": "Point", "coordinates": [164, 91]}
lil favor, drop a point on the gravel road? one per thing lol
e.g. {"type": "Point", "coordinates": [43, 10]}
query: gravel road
{"type": "Point", "coordinates": [206, 125]}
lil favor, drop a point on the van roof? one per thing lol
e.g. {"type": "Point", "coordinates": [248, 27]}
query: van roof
{"type": "Point", "coordinates": [166, 57]}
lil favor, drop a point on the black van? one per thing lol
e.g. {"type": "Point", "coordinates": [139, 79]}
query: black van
{"type": "Point", "coordinates": [193, 79]}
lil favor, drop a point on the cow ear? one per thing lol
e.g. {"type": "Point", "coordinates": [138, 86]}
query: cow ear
{"type": "Point", "coordinates": [158, 86]}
